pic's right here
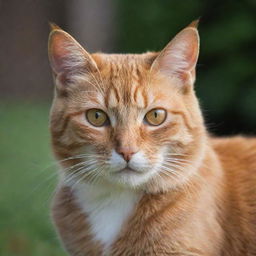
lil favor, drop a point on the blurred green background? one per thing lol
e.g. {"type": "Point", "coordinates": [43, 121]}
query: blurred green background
{"type": "Point", "coordinates": [226, 86]}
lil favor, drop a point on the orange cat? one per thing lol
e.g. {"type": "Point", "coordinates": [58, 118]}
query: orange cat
{"type": "Point", "coordinates": [139, 174]}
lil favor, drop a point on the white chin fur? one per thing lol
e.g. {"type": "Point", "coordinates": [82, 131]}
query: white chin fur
{"type": "Point", "coordinates": [130, 179]}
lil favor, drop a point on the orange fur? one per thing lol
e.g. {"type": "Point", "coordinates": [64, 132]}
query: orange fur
{"type": "Point", "coordinates": [200, 203]}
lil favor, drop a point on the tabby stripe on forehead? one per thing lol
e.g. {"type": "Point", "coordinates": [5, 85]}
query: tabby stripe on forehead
{"type": "Point", "coordinates": [145, 99]}
{"type": "Point", "coordinates": [135, 94]}
{"type": "Point", "coordinates": [113, 98]}
{"type": "Point", "coordinates": [139, 76]}
{"type": "Point", "coordinates": [140, 97]}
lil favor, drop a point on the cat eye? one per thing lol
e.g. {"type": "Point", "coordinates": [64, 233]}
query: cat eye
{"type": "Point", "coordinates": [155, 116]}
{"type": "Point", "coordinates": [96, 117]}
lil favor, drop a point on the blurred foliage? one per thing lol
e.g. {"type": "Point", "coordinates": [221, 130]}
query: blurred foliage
{"type": "Point", "coordinates": [27, 181]}
{"type": "Point", "coordinates": [226, 71]}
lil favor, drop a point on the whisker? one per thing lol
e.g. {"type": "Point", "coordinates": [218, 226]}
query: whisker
{"type": "Point", "coordinates": [175, 165]}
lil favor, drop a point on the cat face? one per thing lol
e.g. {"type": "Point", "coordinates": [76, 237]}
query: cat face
{"type": "Point", "coordinates": [131, 120]}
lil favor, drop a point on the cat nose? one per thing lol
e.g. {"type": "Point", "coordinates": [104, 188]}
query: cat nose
{"type": "Point", "coordinates": [126, 152]}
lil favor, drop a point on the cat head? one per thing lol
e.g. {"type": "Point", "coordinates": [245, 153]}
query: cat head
{"type": "Point", "coordinates": [131, 120]}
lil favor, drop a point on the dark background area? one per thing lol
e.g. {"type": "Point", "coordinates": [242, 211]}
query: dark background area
{"type": "Point", "coordinates": [226, 87]}
{"type": "Point", "coordinates": [226, 80]}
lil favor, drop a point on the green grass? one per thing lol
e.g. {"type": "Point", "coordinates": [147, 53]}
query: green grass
{"type": "Point", "coordinates": [27, 181]}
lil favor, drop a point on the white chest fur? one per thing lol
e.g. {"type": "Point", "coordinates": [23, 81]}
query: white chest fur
{"type": "Point", "coordinates": [107, 209]}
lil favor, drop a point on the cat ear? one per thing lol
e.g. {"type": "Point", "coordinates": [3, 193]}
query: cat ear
{"type": "Point", "coordinates": [67, 57]}
{"type": "Point", "coordinates": [178, 59]}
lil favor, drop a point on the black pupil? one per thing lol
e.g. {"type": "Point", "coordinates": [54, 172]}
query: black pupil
{"type": "Point", "coordinates": [155, 114]}
{"type": "Point", "coordinates": [97, 115]}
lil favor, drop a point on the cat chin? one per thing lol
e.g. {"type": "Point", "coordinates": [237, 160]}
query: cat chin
{"type": "Point", "coordinates": [150, 182]}
{"type": "Point", "coordinates": [130, 178]}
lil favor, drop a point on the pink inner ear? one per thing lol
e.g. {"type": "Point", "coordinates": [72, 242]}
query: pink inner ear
{"type": "Point", "coordinates": [58, 52]}
{"type": "Point", "coordinates": [67, 56]}
{"type": "Point", "coordinates": [192, 49]}
{"type": "Point", "coordinates": [179, 57]}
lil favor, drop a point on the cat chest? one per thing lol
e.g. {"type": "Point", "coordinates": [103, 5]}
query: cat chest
{"type": "Point", "coordinates": [106, 211]}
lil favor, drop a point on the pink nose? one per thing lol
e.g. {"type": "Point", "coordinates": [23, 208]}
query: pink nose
{"type": "Point", "coordinates": [126, 152]}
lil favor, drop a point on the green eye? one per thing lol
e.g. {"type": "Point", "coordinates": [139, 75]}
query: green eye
{"type": "Point", "coordinates": [156, 116]}
{"type": "Point", "coordinates": [96, 117]}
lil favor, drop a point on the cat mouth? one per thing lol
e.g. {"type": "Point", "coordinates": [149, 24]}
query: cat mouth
{"type": "Point", "coordinates": [128, 170]}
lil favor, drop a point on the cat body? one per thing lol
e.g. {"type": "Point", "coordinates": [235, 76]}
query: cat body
{"type": "Point", "coordinates": [220, 221]}
{"type": "Point", "coordinates": [140, 175]}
